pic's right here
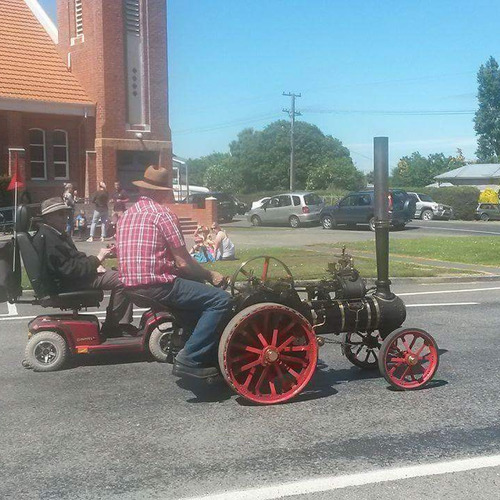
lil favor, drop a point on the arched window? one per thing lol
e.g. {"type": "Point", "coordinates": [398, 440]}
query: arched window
{"type": "Point", "coordinates": [61, 163]}
{"type": "Point", "coordinates": [38, 160]}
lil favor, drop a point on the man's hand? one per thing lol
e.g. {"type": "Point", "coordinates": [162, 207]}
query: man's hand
{"type": "Point", "coordinates": [103, 253]}
{"type": "Point", "coordinates": [217, 279]}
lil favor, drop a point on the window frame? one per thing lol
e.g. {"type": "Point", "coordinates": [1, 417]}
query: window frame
{"type": "Point", "coordinates": [66, 163]}
{"type": "Point", "coordinates": [44, 145]}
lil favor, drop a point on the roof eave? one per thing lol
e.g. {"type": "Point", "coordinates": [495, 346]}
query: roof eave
{"type": "Point", "coordinates": [43, 19]}
{"type": "Point", "coordinates": [47, 107]}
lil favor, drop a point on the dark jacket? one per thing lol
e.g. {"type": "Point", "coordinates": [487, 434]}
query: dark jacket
{"type": "Point", "coordinates": [100, 199]}
{"type": "Point", "coordinates": [65, 268]}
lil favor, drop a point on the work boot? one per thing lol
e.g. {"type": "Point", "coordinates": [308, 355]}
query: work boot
{"type": "Point", "coordinates": [182, 370]}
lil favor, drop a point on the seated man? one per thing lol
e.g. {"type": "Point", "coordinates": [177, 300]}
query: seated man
{"type": "Point", "coordinates": [154, 261]}
{"type": "Point", "coordinates": [68, 270]}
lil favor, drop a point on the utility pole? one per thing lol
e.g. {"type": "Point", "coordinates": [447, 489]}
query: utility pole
{"type": "Point", "coordinates": [292, 114]}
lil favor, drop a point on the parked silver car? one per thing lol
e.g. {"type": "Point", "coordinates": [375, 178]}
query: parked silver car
{"type": "Point", "coordinates": [428, 209]}
{"type": "Point", "coordinates": [293, 209]}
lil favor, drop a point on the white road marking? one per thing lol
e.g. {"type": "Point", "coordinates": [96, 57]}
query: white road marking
{"type": "Point", "coordinates": [461, 230]}
{"type": "Point", "coordinates": [435, 292]}
{"type": "Point", "coordinates": [444, 304]}
{"type": "Point", "coordinates": [329, 483]}
{"type": "Point", "coordinates": [12, 310]}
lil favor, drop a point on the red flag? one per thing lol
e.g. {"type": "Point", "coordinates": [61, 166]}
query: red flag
{"type": "Point", "coordinates": [16, 181]}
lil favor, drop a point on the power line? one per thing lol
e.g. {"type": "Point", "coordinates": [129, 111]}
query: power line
{"type": "Point", "coordinates": [391, 112]}
{"type": "Point", "coordinates": [292, 114]}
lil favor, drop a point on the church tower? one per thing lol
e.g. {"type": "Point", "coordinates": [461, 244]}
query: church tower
{"type": "Point", "coordinates": [117, 49]}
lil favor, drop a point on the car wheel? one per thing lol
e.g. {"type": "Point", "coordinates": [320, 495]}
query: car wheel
{"type": "Point", "coordinates": [328, 222]}
{"type": "Point", "coordinates": [371, 224]}
{"type": "Point", "coordinates": [256, 221]}
{"type": "Point", "coordinates": [294, 221]}
{"type": "Point", "coordinates": [427, 214]}
{"type": "Point", "coordinates": [485, 217]}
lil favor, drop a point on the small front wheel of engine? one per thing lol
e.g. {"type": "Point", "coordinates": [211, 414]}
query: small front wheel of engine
{"type": "Point", "coordinates": [46, 351]}
{"type": "Point", "coordinates": [409, 358]}
{"type": "Point", "coordinates": [362, 349]}
{"type": "Point", "coordinates": [160, 343]}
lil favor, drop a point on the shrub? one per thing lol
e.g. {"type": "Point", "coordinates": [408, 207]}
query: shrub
{"type": "Point", "coordinates": [488, 196]}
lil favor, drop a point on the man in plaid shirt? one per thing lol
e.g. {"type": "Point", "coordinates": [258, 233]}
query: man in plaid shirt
{"type": "Point", "coordinates": [154, 261]}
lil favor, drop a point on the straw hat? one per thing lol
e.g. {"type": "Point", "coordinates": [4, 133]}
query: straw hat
{"type": "Point", "coordinates": [53, 205]}
{"type": "Point", "coordinates": [155, 177]}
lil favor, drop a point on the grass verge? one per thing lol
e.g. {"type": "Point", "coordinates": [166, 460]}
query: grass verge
{"type": "Point", "coordinates": [312, 264]}
{"type": "Point", "coordinates": [308, 264]}
{"type": "Point", "coordinates": [484, 250]}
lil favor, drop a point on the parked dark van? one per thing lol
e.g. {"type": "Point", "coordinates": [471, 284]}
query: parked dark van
{"type": "Point", "coordinates": [359, 208]}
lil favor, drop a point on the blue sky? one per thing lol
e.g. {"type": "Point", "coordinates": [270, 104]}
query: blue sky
{"type": "Point", "coordinates": [358, 64]}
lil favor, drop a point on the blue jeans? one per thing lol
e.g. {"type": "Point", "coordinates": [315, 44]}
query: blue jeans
{"type": "Point", "coordinates": [200, 309]}
{"type": "Point", "coordinates": [95, 219]}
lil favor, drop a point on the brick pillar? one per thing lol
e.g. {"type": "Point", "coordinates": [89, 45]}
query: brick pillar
{"type": "Point", "coordinates": [211, 210]}
{"type": "Point", "coordinates": [90, 173]}
{"type": "Point", "coordinates": [106, 158]}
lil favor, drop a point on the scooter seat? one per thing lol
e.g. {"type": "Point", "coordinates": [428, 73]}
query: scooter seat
{"type": "Point", "coordinates": [74, 300]}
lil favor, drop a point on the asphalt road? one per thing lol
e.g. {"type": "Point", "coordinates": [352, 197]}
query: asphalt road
{"type": "Point", "coordinates": [124, 428]}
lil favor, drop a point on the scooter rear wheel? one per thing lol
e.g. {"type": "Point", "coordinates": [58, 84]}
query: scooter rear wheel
{"type": "Point", "coordinates": [268, 353]}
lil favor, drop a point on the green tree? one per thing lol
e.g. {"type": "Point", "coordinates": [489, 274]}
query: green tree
{"type": "Point", "coordinates": [199, 166]}
{"type": "Point", "coordinates": [486, 120]}
{"type": "Point", "coordinates": [223, 176]}
{"type": "Point", "coordinates": [417, 170]}
{"type": "Point", "coordinates": [338, 173]}
{"type": "Point", "coordinates": [263, 157]}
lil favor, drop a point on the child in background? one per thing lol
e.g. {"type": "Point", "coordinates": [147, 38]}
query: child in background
{"type": "Point", "coordinates": [81, 224]}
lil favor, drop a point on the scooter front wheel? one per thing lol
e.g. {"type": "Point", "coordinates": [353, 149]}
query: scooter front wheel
{"type": "Point", "coordinates": [46, 351]}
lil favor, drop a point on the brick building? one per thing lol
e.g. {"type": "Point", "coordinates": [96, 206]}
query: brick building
{"type": "Point", "coordinates": [86, 101]}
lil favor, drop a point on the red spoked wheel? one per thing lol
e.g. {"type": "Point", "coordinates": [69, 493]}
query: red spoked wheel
{"type": "Point", "coordinates": [409, 358]}
{"type": "Point", "coordinates": [268, 353]}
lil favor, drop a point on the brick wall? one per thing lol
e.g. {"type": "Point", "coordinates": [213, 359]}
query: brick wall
{"type": "Point", "coordinates": [77, 128]}
{"type": "Point", "coordinates": [204, 216]}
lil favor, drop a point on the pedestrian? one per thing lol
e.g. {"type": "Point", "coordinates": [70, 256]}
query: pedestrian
{"type": "Point", "coordinates": [69, 199]}
{"type": "Point", "coordinates": [224, 247]}
{"type": "Point", "coordinates": [100, 199]}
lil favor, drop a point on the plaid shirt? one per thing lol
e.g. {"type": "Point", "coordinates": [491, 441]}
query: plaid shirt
{"type": "Point", "coordinates": [145, 235]}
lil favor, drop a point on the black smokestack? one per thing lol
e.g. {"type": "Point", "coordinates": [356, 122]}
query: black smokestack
{"type": "Point", "coordinates": [381, 174]}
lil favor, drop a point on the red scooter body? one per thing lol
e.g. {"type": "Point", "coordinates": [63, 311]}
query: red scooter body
{"type": "Point", "coordinates": [81, 332]}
